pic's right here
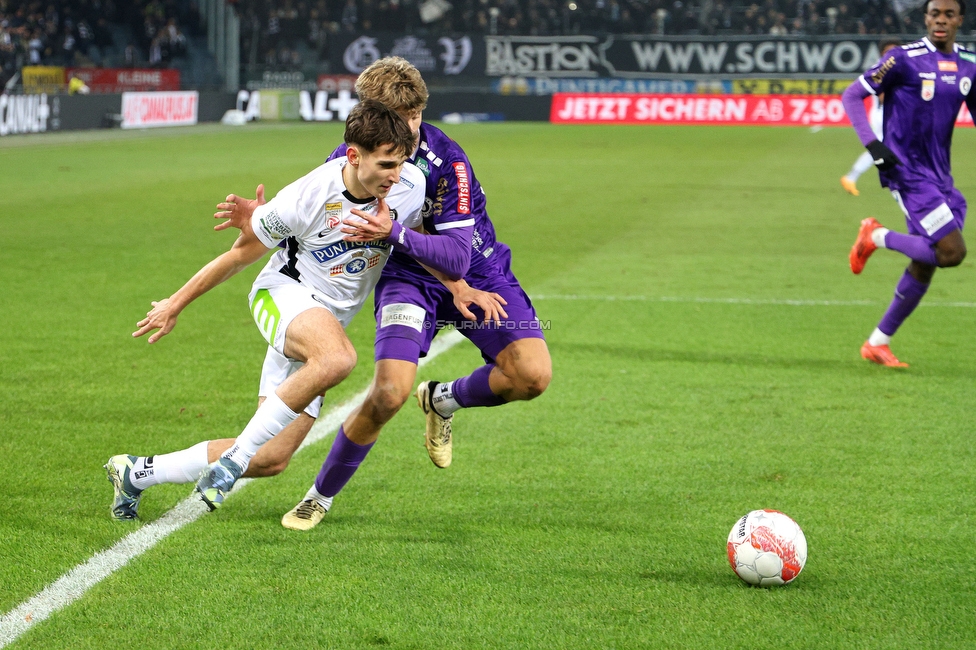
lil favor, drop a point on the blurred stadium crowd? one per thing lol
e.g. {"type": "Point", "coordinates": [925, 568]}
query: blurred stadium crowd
{"type": "Point", "coordinates": [120, 33]}
{"type": "Point", "coordinates": [294, 32]}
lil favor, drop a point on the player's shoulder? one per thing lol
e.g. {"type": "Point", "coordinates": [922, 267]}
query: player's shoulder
{"type": "Point", "coordinates": [965, 54]}
{"type": "Point", "coordinates": [437, 147]}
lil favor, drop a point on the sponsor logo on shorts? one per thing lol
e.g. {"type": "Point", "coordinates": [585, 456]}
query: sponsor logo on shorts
{"type": "Point", "coordinates": [403, 313]}
{"type": "Point", "coordinates": [948, 66]}
{"type": "Point", "coordinates": [928, 89]}
{"type": "Point", "coordinates": [964, 85]}
{"type": "Point", "coordinates": [464, 189]}
{"type": "Point", "coordinates": [937, 219]}
{"type": "Point", "coordinates": [266, 314]}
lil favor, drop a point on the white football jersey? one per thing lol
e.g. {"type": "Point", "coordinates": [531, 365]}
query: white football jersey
{"type": "Point", "coordinates": [308, 214]}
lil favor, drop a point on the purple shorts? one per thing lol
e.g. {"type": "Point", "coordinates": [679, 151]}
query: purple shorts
{"type": "Point", "coordinates": [930, 212]}
{"type": "Point", "coordinates": [409, 314]}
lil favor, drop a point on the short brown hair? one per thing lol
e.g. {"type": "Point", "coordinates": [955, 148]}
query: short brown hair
{"type": "Point", "coordinates": [394, 81]}
{"type": "Point", "coordinates": [371, 125]}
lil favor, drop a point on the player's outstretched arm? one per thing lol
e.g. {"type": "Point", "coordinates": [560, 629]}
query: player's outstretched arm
{"type": "Point", "coordinates": [162, 317]}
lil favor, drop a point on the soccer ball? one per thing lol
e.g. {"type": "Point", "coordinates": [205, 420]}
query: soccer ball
{"type": "Point", "coordinates": [767, 548]}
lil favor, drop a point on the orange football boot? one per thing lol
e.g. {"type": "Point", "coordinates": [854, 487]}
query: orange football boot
{"type": "Point", "coordinates": [863, 246]}
{"type": "Point", "coordinates": [849, 185]}
{"type": "Point", "coordinates": [882, 355]}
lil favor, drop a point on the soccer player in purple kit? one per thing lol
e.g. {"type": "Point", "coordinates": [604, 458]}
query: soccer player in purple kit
{"type": "Point", "coordinates": [924, 84]}
{"type": "Point", "coordinates": [411, 305]}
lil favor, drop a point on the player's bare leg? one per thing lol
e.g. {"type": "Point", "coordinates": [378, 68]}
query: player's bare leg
{"type": "Point", "coordinates": [391, 387]}
{"type": "Point", "coordinates": [273, 457]}
{"type": "Point", "coordinates": [316, 339]}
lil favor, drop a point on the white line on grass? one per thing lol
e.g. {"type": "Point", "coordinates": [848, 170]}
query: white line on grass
{"type": "Point", "coordinates": [740, 301]}
{"type": "Point", "coordinates": [72, 585]}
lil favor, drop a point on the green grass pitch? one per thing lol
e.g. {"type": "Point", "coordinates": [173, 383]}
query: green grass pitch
{"type": "Point", "coordinates": [687, 390]}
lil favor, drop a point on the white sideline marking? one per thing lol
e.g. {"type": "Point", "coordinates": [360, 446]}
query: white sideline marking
{"type": "Point", "coordinates": [73, 584]}
{"type": "Point", "coordinates": [741, 301]}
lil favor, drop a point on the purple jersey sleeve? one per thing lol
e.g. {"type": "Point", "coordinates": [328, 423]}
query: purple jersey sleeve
{"type": "Point", "coordinates": [450, 253]}
{"type": "Point", "coordinates": [853, 99]}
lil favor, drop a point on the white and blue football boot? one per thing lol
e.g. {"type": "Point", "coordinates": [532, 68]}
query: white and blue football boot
{"type": "Point", "coordinates": [126, 503]}
{"type": "Point", "coordinates": [217, 480]}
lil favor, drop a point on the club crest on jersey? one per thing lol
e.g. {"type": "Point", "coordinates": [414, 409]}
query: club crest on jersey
{"type": "Point", "coordinates": [964, 85]}
{"type": "Point", "coordinates": [358, 265]}
{"type": "Point", "coordinates": [928, 89]}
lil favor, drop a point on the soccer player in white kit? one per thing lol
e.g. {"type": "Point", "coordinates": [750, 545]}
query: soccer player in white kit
{"type": "Point", "coordinates": [335, 222]}
{"type": "Point", "coordinates": [865, 161]}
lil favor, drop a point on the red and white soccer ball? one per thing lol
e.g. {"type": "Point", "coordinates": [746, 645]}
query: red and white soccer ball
{"type": "Point", "coordinates": [767, 548]}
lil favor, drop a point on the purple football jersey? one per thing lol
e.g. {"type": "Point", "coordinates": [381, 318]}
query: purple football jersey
{"type": "Point", "coordinates": [454, 200]}
{"type": "Point", "coordinates": [923, 91]}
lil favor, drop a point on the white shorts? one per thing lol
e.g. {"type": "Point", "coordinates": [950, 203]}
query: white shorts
{"type": "Point", "coordinates": [276, 369]}
{"type": "Point", "coordinates": [275, 304]}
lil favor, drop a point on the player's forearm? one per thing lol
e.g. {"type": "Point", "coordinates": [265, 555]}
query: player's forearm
{"type": "Point", "coordinates": [220, 269]}
{"type": "Point", "coordinates": [452, 285]}
{"type": "Point", "coordinates": [853, 99]}
{"type": "Point", "coordinates": [449, 253]}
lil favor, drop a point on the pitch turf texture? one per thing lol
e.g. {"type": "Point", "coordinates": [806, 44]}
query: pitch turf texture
{"type": "Point", "coordinates": [595, 516]}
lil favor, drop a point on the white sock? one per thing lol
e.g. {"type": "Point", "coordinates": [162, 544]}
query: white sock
{"type": "Point", "coordinates": [879, 338]}
{"type": "Point", "coordinates": [183, 466]}
{"type": "Point", "coordinates": [863, 163]}
{"type": "Point", "coordinates": [878, 235]}
{"type": "Point", "coordinates": [272, 416]}
{"type": "Point", "coordinates": [325, 502]}
{"type": "Point", "coordinates": [443, 399]}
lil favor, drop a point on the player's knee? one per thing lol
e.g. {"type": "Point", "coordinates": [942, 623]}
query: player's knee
{"type": "Point", "coordinates": [952, 257]}
{"type": "Point", "coordinates": [534, 381]}
{"type": "Point", "coordinates": [387, 398]}
{"type": "Point", "coordinates": [332, 367]}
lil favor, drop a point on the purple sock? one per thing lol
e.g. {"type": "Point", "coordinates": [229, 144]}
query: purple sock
{"type": "Point", "coordinates": [474, 389]}
{"type": "Point", "coordinates": [908, 294]}
{"type": "Point", "coordinates": [342, 462]}
{"type": "Point", "coordinates": [917, 248]}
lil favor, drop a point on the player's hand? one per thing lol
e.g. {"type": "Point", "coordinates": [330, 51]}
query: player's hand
{"type": "Point", "coordinates": [369, 227]}
{"type": "Point", "coordinates": [489, 303]}
{"type": "Point", "coordinates": [161, 317]}
{"type": "Point", "coordinates": [238, 210]}
{"type": "Point", "coordinates": [884, 158]}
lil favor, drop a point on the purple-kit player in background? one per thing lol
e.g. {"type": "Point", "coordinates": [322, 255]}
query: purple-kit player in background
{"type": "Point", "coordinates": [411, 305]}
{"type": "Point", "coordinates": [924, 84]}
